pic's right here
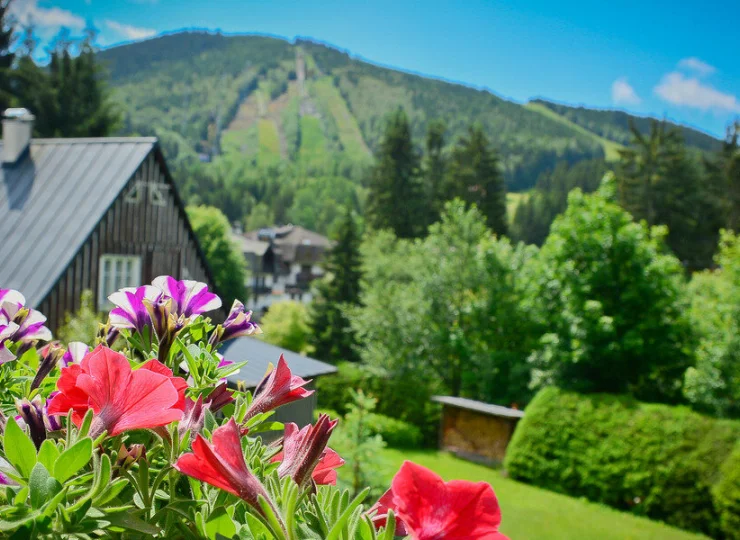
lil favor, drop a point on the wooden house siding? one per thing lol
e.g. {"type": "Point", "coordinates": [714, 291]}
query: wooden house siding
{"type": "Point", "coordinates": [159, 234]}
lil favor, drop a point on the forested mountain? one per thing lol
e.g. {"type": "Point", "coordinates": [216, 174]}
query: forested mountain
{"type": "Point", "coordinates": [262, 127]}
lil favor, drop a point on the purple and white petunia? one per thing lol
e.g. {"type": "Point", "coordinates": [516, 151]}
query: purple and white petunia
{"type": "Point", "coordinates": [11, 296]}
{"type": "Point", "coordinates": [7, 329]}
{"type": "Point", "coordinates": [131, 311]}
{"type": "Point", "coordinates": [189, 298]}
{"type": "Point", "coordinates": [30, 323]}
{"type": "Point", "coordinates": [237, 324]}
{"type": "Point", "coordinates": [74, 354]}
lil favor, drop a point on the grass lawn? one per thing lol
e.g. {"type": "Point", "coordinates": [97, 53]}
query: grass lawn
{"type": "Point", "coordinates": [531, 513]}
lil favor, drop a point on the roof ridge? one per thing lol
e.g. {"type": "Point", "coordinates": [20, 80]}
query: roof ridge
{"type": "Point", "coordinates": [95, 140]}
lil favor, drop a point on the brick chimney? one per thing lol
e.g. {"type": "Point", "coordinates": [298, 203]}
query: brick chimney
{"type": "Point", "coordinates": [17, 130]}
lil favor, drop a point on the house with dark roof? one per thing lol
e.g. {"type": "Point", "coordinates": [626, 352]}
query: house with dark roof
{"type": "Point", "coordinates": [88, 214]}
{"type": "Point", "coordinates": [283, 262]}
{"type": "Point", "coordinates": [259, 355]}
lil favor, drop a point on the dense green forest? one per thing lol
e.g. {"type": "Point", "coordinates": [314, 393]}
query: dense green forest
{"type": "Point", "coordinates": [273, 131]}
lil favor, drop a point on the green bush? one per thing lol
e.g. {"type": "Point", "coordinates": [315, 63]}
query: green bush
{"type": "Point", "coordinates": [396, 433]}
{"type": "Point", "coordinates": [726, 495]}
{"type": "Point", "coordinates": [398, 397]}
{"type": "Point", "coordinates": [653, 460]}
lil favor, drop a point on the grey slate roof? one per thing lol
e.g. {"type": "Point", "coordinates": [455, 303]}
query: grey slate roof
{"type": "Point", "coordinates": [479, 406]}
{"type": "Point", "coordinates": [52, 199]}
{"type": "Point", "coordinates": [259, 354]}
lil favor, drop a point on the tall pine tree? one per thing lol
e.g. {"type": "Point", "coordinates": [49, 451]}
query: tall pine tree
{"type": "Point", "coordinates": [475, 177]}
{"type": "Point", "coordinates": [7, 37]}
{"type": "Point", "coordinates": [331, 334]}
{"type": "Point", "coordinates": [724, 177]}
{"type": "Point", "coordinates": [660, 183]}
{"type": "Point", "coordinates": [395, 200]}
{"type": "Point", "coordinates": [69, 97]}
{"type": "Point", "coordinates": [434, 170]}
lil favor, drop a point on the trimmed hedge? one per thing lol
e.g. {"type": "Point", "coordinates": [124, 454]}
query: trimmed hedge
{"type": "Point", "coordinates": [727, 496]}
{"type": "Point", "coordinates": [396, 433]}
{"type": "Point", "coordinates": [653, 460]}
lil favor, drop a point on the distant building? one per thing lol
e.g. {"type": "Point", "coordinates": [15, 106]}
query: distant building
{"type": "Point", "coordinates": [97, 214]}
{"type": "Point", "coordinates": [283, 261]}
{"type": "Point", "coordinates": [475, 430]}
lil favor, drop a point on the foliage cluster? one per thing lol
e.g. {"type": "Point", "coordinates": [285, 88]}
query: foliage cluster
{"type": "Point", "coordinates": [654, 460]}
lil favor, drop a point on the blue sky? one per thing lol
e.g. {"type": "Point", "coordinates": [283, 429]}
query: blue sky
{"type": "Point", "coordinates": [676, 59]}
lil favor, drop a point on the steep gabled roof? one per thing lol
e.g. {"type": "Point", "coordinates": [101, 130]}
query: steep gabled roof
{"type": "Point", "coordinates": [259, 354]}
{"type": "Point", "coordinates": [52, 199]}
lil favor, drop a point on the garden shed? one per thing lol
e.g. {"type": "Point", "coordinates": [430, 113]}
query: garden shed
{"type": "Point", "coordinates": [475, 430]}
{"type": "Point", "coordinates": [259, 355]}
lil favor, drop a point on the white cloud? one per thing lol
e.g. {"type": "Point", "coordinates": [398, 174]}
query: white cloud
{"type": "Point", "coordinates": [130, 32]}
{"type": "Point", "coordinates": [699, 67]}
{"type": "Point", "coordinates": [678, 89]}
{"type": "Point", "coordinates": [622, 92]}
{"type": "Point", "coordinates": [28, 12]}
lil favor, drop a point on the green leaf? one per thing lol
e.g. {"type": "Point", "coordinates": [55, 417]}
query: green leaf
{"type": "Point", "coordinates": [73, 459]}
{"type": "Point", "coordinates": [48, 454]}
{"type": "Point", "coordinates": [42, 486]}
{"type": "Point", "coordinates": [336, 531]}
{"type": "Point", "coordinates": [111, 491]}
{"type": "Point", "coordinates": [126, 520]}
{"type": "Point", "coordinates": [19, 449]}
{"type": "Point", "coordinates": [219, 522]}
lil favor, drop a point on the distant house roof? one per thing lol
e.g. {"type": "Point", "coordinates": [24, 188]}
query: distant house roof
{"type": "Point", "coordinates": [259, 354]}
{"type": "Point", "coordinates": [479, 406]}
{"type": "Point", "coordinates": [51, 203]}
{"type": "Point", "coordinates": [293, 243]}
{"type": "Point", "coordinates": [249, 245]}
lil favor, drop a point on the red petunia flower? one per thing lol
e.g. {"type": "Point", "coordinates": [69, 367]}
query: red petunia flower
{"type": "Point", "coordinates": [305, 455]}
{"type": "Point", "coordinates": [325, 472]}
{"type": "Point", "coordinates": [379, 513]}
{"type": "Point", "coordinates": [179, 383]}
{"type": "Point", "coordinates": [431, 509]}
{"type": "Point", "coordinates": [222, 464]}
{"type": "Point", "coordinates": [278, 387]}
{"type": "Point", "coordinates": [121, 398]}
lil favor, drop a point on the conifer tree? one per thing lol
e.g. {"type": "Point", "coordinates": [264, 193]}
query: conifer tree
{"type": "Point", "coordinates": [7, 37]}
{"type": "Point", "coordinates": [660, 184]}
{"type": "Point", "coordinates": [69, 97]}
{"type": "Point", "coordinates": [395, 200]}
{"type": "Point", "coordinates": [331, 334]}
{"type": "Point", "coordinates": [435, 168]}
{"type": "Point", "coordinates": [724, 177]}
{"type": "Point", "coordinates": [475, 178]}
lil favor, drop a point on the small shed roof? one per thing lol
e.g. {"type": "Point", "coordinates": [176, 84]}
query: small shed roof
{"type": "Point", "coordinates": [53, 198]}
{"type": "Point", "coordinates": [259, 354]}
{"type": "Point", "coordinates": [479, 406]}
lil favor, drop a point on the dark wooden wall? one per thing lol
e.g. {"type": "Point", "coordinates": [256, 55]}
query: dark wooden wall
{"type": "Point", "coordinates": [158, 234]}
{"type": "Point", "coordinates": [474, 435]}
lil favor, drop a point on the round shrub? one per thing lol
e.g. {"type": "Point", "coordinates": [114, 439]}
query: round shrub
{"type": "Point", "coordinates": [726, 495]}
{"type": "Point", "coordinates": [654, 460]}
{"type": "Point", "coordinates": [396, 433]}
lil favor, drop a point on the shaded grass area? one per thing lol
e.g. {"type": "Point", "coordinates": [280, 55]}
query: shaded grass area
{"type": "Point", "coordinates": [349, 132]}
{"type": "Point", "coordinates": [530, 513]}
{"type": "Point", "coordinates": [313, 143]}
{"type": "Point", "coordinates": [512, 201]}
{"type": "Point", "coordinates": [269, 142]}
{"type": "Point", "coordinates": [611, 149]}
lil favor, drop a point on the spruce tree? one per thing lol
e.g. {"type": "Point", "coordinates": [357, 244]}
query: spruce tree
{"type": "Point", "coordinates": [724, 177]}
{"type": "Point", "coordinates": [475, 177]}
{"type": "Point", "coordinates": [331, 334]}
{"type": "Point", "coordinates": [661, 184]}
{"type": "Point", "coordinates": [7, 37]}
{"type": "Point", "coordinates": [435, 167]}
{"type": "Point", "coordinates": [395, 200]}
{"type": "Point", "coordinates": [69, 97]}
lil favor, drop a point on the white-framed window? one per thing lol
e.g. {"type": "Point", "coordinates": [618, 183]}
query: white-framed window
{"type": "Point", "coordinates": [116, 272]}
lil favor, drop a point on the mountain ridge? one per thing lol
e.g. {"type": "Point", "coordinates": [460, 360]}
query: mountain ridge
{"type": "Point", "coordinates": [188, 88]}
